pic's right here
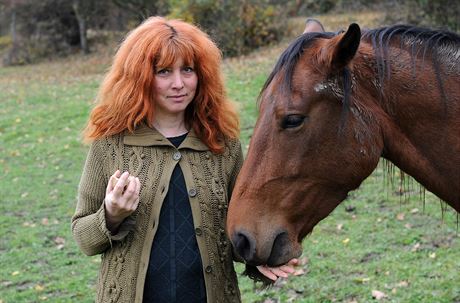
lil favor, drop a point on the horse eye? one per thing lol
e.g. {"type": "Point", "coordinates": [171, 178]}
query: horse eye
{"type": "Point", "coordinates": [292, 121]}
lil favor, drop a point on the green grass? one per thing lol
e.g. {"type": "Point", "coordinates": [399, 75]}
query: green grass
{"type": "Point", "coordinates": [410, 255]}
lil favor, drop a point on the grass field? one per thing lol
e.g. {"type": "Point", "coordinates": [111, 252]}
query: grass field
{"type": "Point", "coordinates": [383, 238]}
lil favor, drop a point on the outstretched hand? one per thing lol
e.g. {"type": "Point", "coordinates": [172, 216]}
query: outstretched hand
{"type": "Point", "coordinates": [273, 273]}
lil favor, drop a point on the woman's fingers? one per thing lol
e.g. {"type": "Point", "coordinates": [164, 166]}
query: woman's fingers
{"type": "Point", "coordinates": [282, 271]}
{"type": "Point", "coordinates": [120, 186]}
{"type": "Point", "coordinates": [267, 272]}
{"type": "Point", "coordinates": [293, 262]}
{"type": "Point", "coordinates": [112, 181]}
{"type": "Point", "coordinates": [287, 269]}
{"type": "Point", "coordinates": [278, 272]}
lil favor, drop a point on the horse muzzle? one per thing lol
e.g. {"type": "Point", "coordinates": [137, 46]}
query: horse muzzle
{"type": "Point", "coordinates": [272, 250]}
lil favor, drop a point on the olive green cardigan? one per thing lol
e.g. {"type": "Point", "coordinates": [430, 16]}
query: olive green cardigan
{"type": "Point", "coordinates": [150, 156]}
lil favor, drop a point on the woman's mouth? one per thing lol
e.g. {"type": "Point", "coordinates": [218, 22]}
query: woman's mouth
{"type": "Point", "coordinates": [176, 97]}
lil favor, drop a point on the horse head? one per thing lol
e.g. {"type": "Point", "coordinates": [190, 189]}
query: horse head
{"type": "Point", "coordinates": [308, 149]}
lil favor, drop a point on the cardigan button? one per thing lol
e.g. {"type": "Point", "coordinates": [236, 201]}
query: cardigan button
{"type": "Point", "coordinates": [207, 157]}
{"type": "Point", "coordinates": [142, 156]}
{"type": "Point", "coordinates": [176, 156]}
{"type": "Point", "coordinates": [208, 269]}
{"type": "Point", "coordinates": [192, 192]}
{"type": "Point", "coordinates": [198, 231]}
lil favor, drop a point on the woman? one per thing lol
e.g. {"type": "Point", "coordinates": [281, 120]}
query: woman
{"type": "Point", "coordinates": [163, 119]}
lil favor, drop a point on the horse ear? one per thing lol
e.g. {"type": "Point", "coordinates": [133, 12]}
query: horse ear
{"type": "Point", "coordinates": [313, 26]}
{"type": "Point", "coordinates": [346, 48]}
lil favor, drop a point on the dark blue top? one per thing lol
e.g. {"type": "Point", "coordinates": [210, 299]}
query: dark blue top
{"type": "Point", "coordinates": [175, 272]}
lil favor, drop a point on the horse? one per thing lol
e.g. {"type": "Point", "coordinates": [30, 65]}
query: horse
{"type": "Point", "coordinates": [334, 104]}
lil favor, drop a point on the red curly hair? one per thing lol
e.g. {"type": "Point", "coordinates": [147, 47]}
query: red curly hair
{"type": "Point", "coordinates": [126, 96]}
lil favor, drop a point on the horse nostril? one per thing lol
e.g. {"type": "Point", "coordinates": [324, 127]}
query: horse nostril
{"type": "Point", "coordinates": [244, 245]}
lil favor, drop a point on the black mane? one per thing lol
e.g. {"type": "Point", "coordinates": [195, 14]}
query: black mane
{"type": "Point", "coordinates": [441, 45]}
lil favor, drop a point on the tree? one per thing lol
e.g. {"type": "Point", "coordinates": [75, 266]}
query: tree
{"type": "Point", "coordinates": [143, 9]}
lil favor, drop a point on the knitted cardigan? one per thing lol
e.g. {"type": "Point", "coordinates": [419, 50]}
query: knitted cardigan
{"type": "Point", "coordinates": [147, 154]}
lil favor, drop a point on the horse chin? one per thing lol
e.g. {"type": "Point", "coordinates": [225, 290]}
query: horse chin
{"type": "Point", "coordinates": [284, 255]}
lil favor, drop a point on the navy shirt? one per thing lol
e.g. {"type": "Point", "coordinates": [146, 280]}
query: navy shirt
{"type": "Point", "coordinates": [175, 272]}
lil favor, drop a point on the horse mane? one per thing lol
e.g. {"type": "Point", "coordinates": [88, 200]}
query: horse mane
{"type": "Point", "coordinates": [442, 46]}
{"type": "Point", "coordinates": [437, 43]}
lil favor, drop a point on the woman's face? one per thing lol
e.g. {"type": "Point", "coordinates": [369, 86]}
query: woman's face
{"type": "Point", "coordinates": [175, 88]}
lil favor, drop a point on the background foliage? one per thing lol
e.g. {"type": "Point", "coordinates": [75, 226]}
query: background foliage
{"type": "Point", "coordinates": [31, 30]}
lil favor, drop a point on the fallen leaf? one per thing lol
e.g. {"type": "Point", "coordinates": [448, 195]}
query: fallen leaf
{"type": "Point", "coordinates": [15, 273]}
{"type": "Point", "coordinates": [346, 241]}
{"type": "Point", "coordinates": [45, 221]}
{"type": "Point", "coordinates": [400, 216]}
{"type": "Point", "coordinates": [39, 287]}
{"type": "Point", "coordinates": [432, 255]}
{"type": "Point", "coordinates": [408, 226]}
{"type": "Point", "coordinates": [23, 195]}
{"type": "Point", "coordinates": [403, 284]}
{"type": "Point", "coordinates": [59, 242]}
{"type": "Point", "coordinates": [414, 210]}
{"type": "Point", "coordinates": [378, 295]}
{"type": "Point", "coordinates": [415, 247]}
{"type": "Point", "coordinates": [339, 226]}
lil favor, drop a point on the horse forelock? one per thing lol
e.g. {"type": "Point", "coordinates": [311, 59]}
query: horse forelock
{"type": "Point", "coordinates": [290, 57]}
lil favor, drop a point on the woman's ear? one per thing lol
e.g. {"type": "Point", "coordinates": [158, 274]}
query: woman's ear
{"type": "Point", "coordinates": [346, 48]}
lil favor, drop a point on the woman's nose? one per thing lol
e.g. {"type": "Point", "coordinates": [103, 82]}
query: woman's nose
{"type": "Point", "coordinates": [178, 82]}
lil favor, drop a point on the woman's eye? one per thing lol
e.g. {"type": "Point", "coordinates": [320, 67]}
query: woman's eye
{"type": "Point", "coordinates": [163, 71]}
{"type": "Point", "coordinates": [188, 69]}
{"type": "Point", "coordinates": [292, 121]}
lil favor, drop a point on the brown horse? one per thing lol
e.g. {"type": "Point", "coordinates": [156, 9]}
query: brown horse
{"type": "Point", "coordinates": [333, 105]}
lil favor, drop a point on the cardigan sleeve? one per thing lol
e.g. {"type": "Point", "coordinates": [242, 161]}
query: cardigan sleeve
{"type": "Point", "coordinates": [88, 222]}
{"type": "Point", "coordinates": [236, 153]}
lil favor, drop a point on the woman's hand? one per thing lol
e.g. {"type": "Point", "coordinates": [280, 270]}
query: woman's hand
{"type": "Point", "coordinates": [273, 273]}
{"type": "Point", "coordinates": [121, 199]}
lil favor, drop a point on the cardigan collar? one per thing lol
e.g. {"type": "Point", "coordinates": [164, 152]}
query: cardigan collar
{"type": "Point", "coordinates": [143, 135]}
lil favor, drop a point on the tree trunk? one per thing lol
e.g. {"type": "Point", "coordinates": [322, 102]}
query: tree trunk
{"type": "Point", "coordinates": [9, 59]}
{"type": "Point", "coordinates": [81, 19]}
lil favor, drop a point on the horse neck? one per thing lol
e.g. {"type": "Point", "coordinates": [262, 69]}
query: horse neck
{"type": "Point", "coordinates": [420, 131]}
